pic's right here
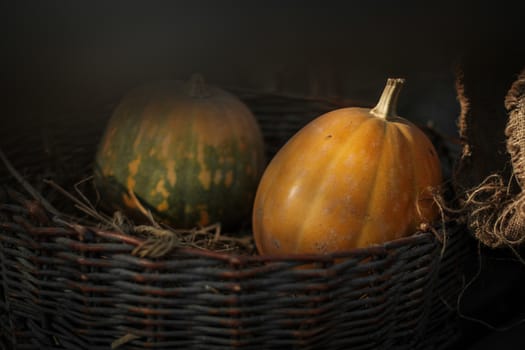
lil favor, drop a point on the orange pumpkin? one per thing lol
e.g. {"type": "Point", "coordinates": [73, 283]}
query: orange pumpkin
{"type": "Point", "coordinates": [350, 178]}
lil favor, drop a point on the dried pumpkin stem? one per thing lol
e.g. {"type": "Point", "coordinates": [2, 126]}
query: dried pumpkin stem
{"type": "Point", "coordinates": [386, 108]}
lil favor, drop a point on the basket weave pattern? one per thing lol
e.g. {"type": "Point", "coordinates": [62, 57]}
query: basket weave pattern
{"type": "Point", "coordinates": [72, 286]}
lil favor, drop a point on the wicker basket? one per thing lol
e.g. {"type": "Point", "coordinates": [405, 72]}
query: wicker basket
{"type": "Point", "coordinates": [64, 285]}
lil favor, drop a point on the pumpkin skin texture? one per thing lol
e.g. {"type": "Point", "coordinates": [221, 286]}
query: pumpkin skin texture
{"type": "Point", "coordinates": [189, 153]}
{"type": "Point", "coordinates": [350, 178]}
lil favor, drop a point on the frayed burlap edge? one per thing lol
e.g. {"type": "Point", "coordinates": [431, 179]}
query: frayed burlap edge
{"type": "Point", "coordinates": [464, 105]}
{"type": "Point", "coordinates": [496, 214]}
{"type": "Point", "coordinates": [515, 131]}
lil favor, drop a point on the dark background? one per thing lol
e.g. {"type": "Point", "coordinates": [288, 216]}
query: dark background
{"type": "Point", "coordinates": [61, 56]}
{"type": "Point", "coordinates": [72, 59]}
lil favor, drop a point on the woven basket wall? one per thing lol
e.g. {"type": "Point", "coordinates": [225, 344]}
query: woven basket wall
{"type": "Point", "coordinates": [64, 285]}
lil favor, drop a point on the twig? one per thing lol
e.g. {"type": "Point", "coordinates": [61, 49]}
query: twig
{"type": "Point", "coordinates": [160, 243]}
{"type": "Point", "coordinates": [144, 211]}
{"type": "Point", "coordinates": [79, 192]}
{"type": "Point", "coordinates": [82, 206]}
{"type": "Point", "coordinates": [27, 186]}
{"type": "Point", "coordinates": [124, 340]}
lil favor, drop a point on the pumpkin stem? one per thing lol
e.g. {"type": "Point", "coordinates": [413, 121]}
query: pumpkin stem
{"type": "Point", "coordinates": [386, 108]}
{"type": "Point", "coordinates": [197, 86]}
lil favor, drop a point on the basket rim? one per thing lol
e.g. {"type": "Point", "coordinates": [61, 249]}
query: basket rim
{"type": "Point", "coordinates": [69, 229]}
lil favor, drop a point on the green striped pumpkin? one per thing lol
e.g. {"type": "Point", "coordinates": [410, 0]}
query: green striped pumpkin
{"type": "Point", "coordinates": [190, 153]}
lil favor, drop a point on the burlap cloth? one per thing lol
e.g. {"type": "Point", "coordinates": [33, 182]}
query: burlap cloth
{"type": "Point", "coordinates": [490, 175]}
